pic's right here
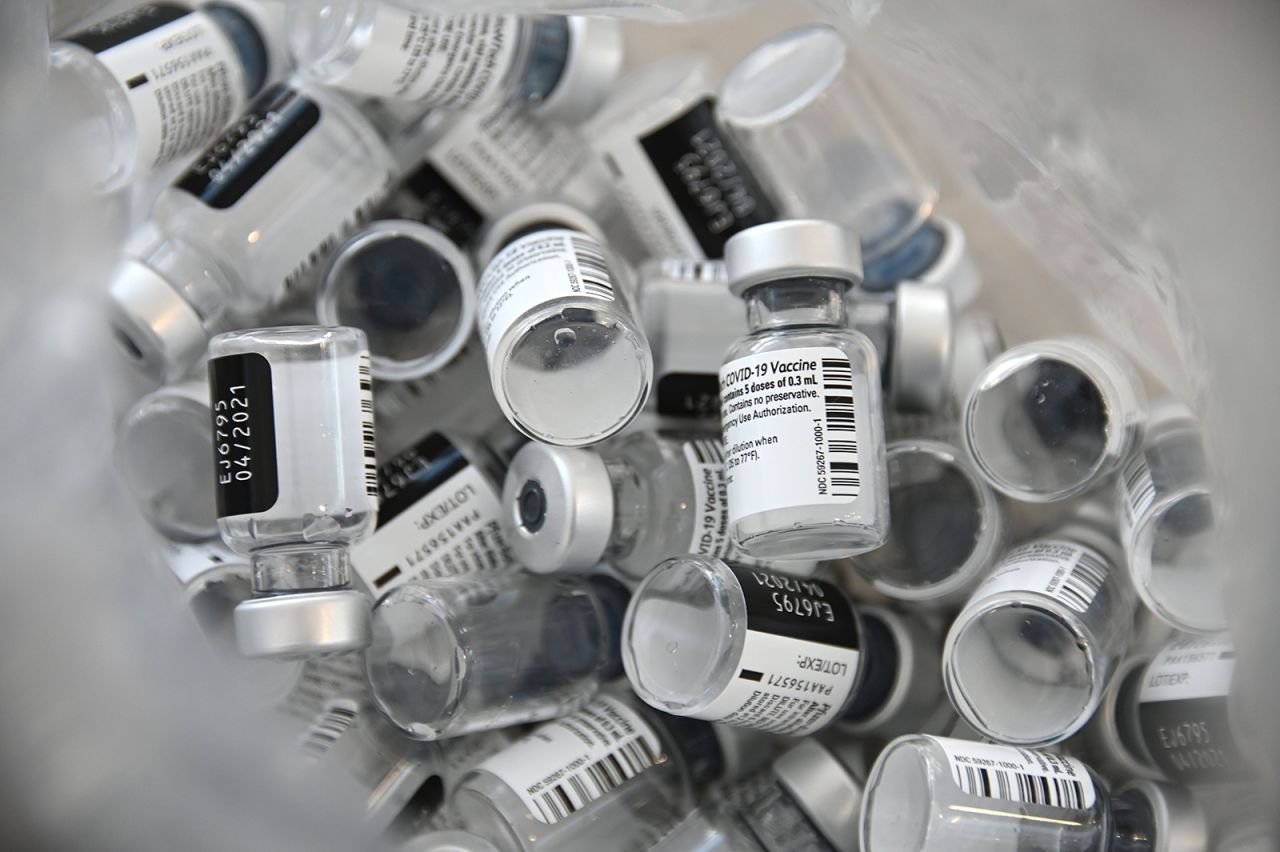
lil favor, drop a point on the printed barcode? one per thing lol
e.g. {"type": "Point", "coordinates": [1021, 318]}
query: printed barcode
{"type": "Point", "coordinates": [1020, 787]}
{"type": "Point", "coordinates": [842, 429]}
{"type": "Point", "coordinates": [593, 267]}
{"type": "Point", "coordinates": [328, 728]}
{"type": "Point", "coordinates": [708, 452]}
{"type": "Point", "coordinates": [591, 782]}
{"type": "Point", "coordinates": [705, 271]}
{"type": "Point", "coordinates": [366, 426]}
{"type": "Point", "coordinates": [1082, 584]}
{"type": "Point", "coordinates": [1139, 488]}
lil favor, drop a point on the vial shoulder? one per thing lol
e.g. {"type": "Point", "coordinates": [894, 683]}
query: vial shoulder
{"type": "Point", "coordinates": [854, 344]}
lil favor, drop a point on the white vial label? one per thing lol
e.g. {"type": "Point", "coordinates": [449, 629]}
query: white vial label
{"type": "Point", "coordinates": [711, 502]}
{"type": "Point", "coordinates": [324, 681]}
{"type": "Point", "coordinates": [799, 661]}
{"type": "Point", "coordinates": [565, 765]}
{"type": "Point", "coordinates": [1065, 571]}
{"type": "Point", "coordinates": [1019, 775]}
{"type": "Point", "coordinates": [537, 269]}
{"type": "Point", "coordinates": [447, 61]}
{"type": "Point", "coordinates": [438, 518]}
{"type": "Point", "coordinates": [790, 430]}
{"type": "Point", "coordinates": [180, 74]}
{"type": "Point", "coordinates": [1193, 667]}
{"type": "Point", "coordinates": [328, 727]}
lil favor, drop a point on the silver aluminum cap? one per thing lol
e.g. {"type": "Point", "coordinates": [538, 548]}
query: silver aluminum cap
{"type": "Point", "coordinates": [953, 269]}
{"type": "Point", "coordinates": [590, 71]}
{"type": "Point", "coordinates": [1180, 824]}
{"type": "Point", "coordinates": [920, 369]}
{"type": "Point", "coordinates": [159, 329]}
{"type": "Point", "coordinates": [303, 624]}
{"type": "Point", "coordinates": [825, 790]}
{"type": "Point", "coordinates": [506, 227]}
{"type": "Point", "coordinates": [557, 508]}
{"type": "Point", "coordinates": [791, 249]}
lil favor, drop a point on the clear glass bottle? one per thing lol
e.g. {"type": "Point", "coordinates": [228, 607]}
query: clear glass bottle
{"type": "Point", "coordinates": [409, 288]}
{"type": "Point", "coordinates": [613, 775]}
{"type": "Point", "coordinates": [568, 360]}
{"type": "Point", "coordinates": [161, 453]}
{"type": "Point", "coordinates": [806, 802]}
{"type": "Point", "coordinates": [451, 657]}
{"type": "Point", "coordinates": [681, 183]}
{"type": "Point", "coordinates": [293, 450]}
{"type": "Point", "coordinates": [438, 516]}
{"type": "Point", "coordinates": [1048, 420]}
{"type": "Point", "coordinates": [1029, 657]}
{"type": "Point", "coordinates": [563, 67]}
{"type": "Point", "coordinates": [157, 82]}
{"type": "Point", "coordinates": [801, 412]}
{"type": "Point", "coordinates": [1168, 526]}
{"type": "Point", "coordinates": [914, 332]}
{"type": "Point", "coordinates": [928, 794]}
{"type": "Point", "coordinates": [759, 649]}
{"type": "Point", "coordinates": [243, 227]}
{"type": "Point", "coordinates": [948, 527]}
{"type": "Point", "coordinates": [800, 98]}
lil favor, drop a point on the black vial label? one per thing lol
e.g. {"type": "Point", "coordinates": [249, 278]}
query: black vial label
{"type": "Point", "coordinates": [689, 395]}
{"type": "Point", "coordinates": [443, 207]}
{"type": "Point", "coordinates": [812, 610]}
{"type": "Point", "coordinates": [244, 434]}
{"type": "Point", "coordinates": [1191, 740]}
{"type": "Point", "coordinates": [708, 178]}
{"type": "Point", "coordinates": [128, 25]}
{"type": "Point", "coordinates": [276, 121]}
{"type": "Point", "coordinates": [415, 473]}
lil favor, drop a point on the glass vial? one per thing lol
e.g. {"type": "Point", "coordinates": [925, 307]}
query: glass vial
{"type": "Point", "coordinates": [1029, 657]}
{"type": "Point", "coordinates": [161, 453]}
{"type": "Point", "coordinates": [758, 649]}
{"type": "Point", "coordinates": [568, 360]}
{"type": "Point", "coordinates": [1167, 523]}
{"type": "Point", "coordinates": [451, 657]}
{"type": "Point", "coordinates": [801, 412]}
{"type": "Point", "coordinates": [243, 227]}
{"type": "Point", "coordinates": [613, 775]}
{"type": "Point", "coordinates": [438, 516]}
{"type": "Point", "coordinates": [681, 183]}
{"type": "Point", "coordinates": [948, 527]}
{"type": "Point", "coordinates": [914, 332]}
{"type": "Point", "coordinates": [293, 452]}
{"type": "Point", "coordinates": [928, 794]}
{"type": "Point", "coordinates": [936, 256]}
{"type": "Point", "coordinates": [156, 83]}
{"type": "Point", "coordinates": [563, 67]}
{"type": "Point", "coordinates": [800, 99]}
{"type": "Point", "coordinates": [1048, 420]}
{"type": "Point", "coordinates": [409, 288]}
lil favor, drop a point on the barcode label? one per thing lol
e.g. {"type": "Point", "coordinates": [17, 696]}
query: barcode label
{"type": "Point", "coordinates": [330, 241]}
{"type": "Point", "coordinates": [703, 271]}
{"type": "Point", "coordinates": [565, 765]}
{"type": "Point", "coordinates": [1018, 775]}
{"type": "Point", "coordinates": [329, 726]}
{"type": "Point", "coordinates": [1070, 573]}
{"type": "Point", "coordinates": [592, 267]}
{"type": "Point", "coordinates": [1138, 488]}
{"type": "Point", "coordinates": [842, 427]}
{"type": "Point", "coordinates": [706, 452]}
{"type": "Point", "coordinates": [1084, 581]}
{"type": "Point", "coordinates": [366, 428]}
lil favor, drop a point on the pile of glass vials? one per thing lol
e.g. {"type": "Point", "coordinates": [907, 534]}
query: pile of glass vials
{"type": "Point", "coordinates": [706, 507]}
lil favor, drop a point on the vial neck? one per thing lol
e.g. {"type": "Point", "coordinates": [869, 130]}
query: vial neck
{"type": "Point", "coordinates": [196, 276]}
{"type": "Point", "coordinates": [796, 302]}
{"type": "Point", "coordinates": [630, 509]}
{"type": "Point", "coordinates": [880, 659]}
{"type": "Point", "coordinates": [1133, 826]}
{"type": "Point", "coordinates": [294, 568]}
{"type": "Point", "coordinates": [1127, 725]}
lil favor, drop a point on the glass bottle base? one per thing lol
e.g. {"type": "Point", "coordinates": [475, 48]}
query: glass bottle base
{"type": "Point", "coordinates": [768, 536]}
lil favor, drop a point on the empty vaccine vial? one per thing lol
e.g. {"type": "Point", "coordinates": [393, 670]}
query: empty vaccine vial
{"type": "Point", "coordinates": [613, 775]}
{"type": "Point", "coordinates": [807, 800]}
{"type": "Point", "coordinates": [451, 657]}
{"type": "Point", "coordinates": [563, 67]}
{"type": "Point", "coordinates": [913, 331]}
{"type": "Point", "coordinates": [948, 527]}
{"type": "Point", "coordinates": [928, 794]}
{"type": "Point", "coordinates": [682, 184]}
{"type": "Point", "coordinates": [162, 456]}
{"type": "Point", "coordinates": [438, 516]}
{"type": "Point", "coordinates": [1048, 420]}
{"type": "Point", "coordinates": [801, 98]}
{"type": "Point", "coordinates": [568, 359]}
{"type": "Point", "coordinates": [244, 226]}
{"type": "Point", "coordinates": [1167, 523]}
{"type": "Point", "coordinates": [158, 82]}
{"type": "Point", "coordinates": [409, 288]}
{"type": "Point", "coordinates": [800, 395]}
{"type": "Point", "coordinates": [293, 452]}
{"type": "Point", "coordinates": [1029, 657]}
{"type": "Point", "coordinates": [755, 648]}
